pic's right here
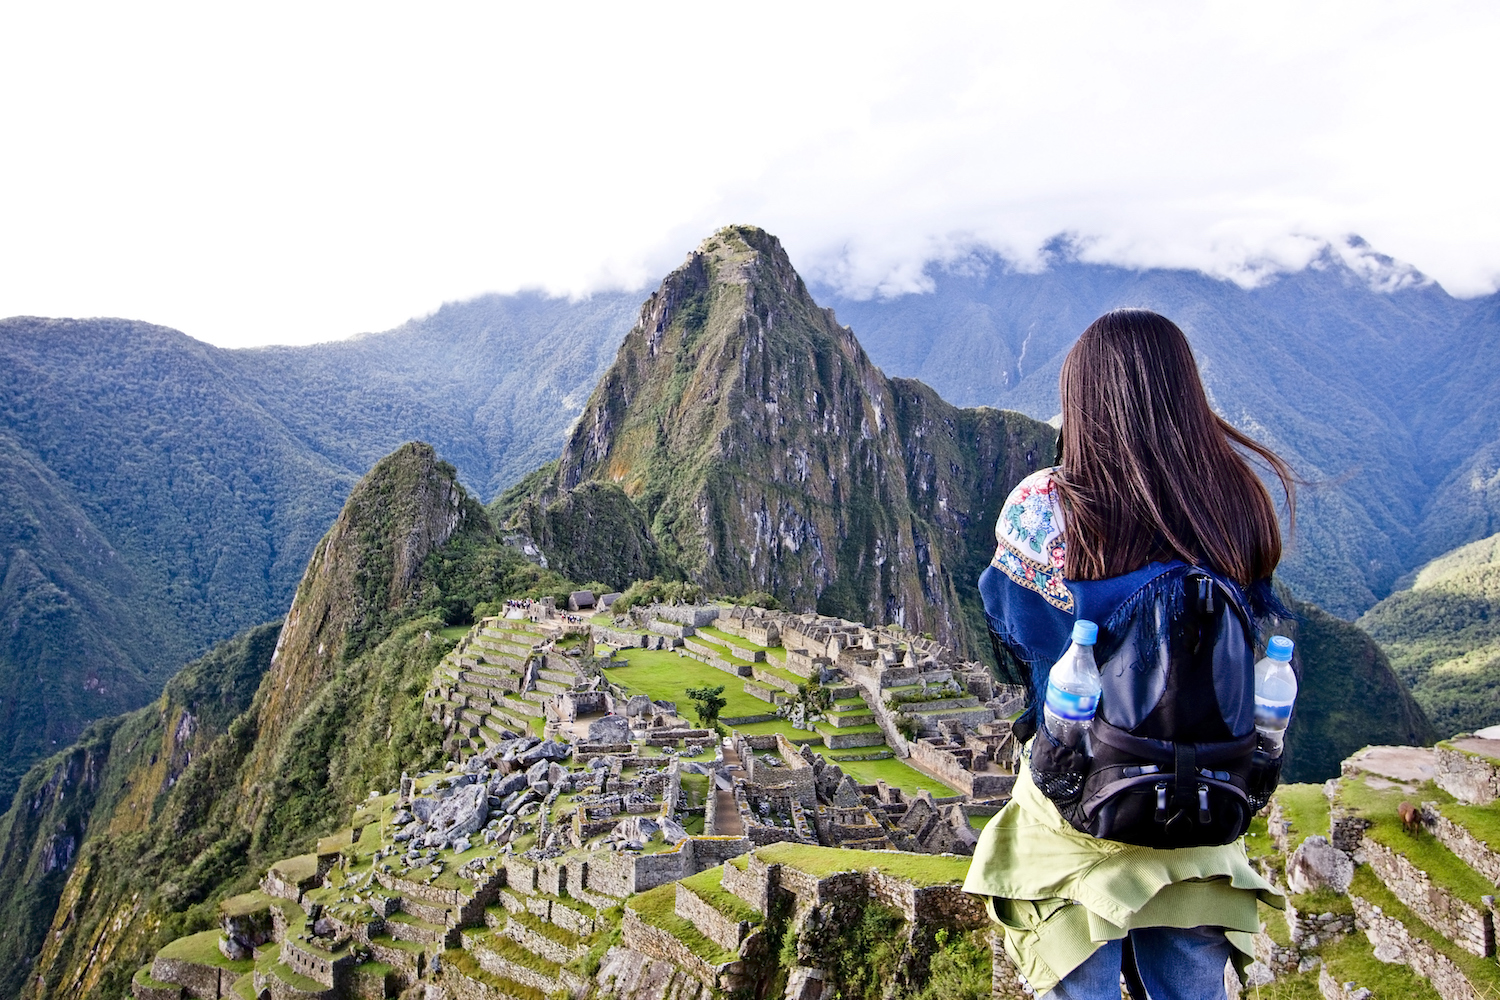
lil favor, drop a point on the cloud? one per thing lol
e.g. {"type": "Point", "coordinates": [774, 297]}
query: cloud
{"type": "Point", "coordinates": [284, 173]}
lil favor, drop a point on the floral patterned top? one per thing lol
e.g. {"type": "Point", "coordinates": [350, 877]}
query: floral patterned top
{"type": "Point", "coordinates": [1029, 533]}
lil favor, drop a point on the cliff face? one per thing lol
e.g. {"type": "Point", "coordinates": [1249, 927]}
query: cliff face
{"type": "Point", "coordinates": [120, 842]}
{"type": "Point", "coordinates": [767, 453]}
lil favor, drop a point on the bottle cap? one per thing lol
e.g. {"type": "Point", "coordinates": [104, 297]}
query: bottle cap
{"type": "Point", "coordinates": [1279, 648]}
{"type": "Point", "coordinates": [1086, 633]}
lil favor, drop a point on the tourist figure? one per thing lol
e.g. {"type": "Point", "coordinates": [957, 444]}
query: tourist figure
{"type": "Point", "coordinates": [1151, 487]}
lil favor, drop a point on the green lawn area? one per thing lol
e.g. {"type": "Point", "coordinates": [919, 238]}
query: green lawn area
{"type": "Point", "coordinates": [896, 773]}
{"type": "Point", "coordinates": [662, 675]}
{"type": "Point", "coordinates": [709, 887]}
{"type": "Point", "coordinates": [921, 869]}
{"type": "Point", "coordinates": [782, 672]}
{"type": "Point", "coordinates": [203, 949]}
{"type": "Point", "coordinates": [1306, 808]}
{"type": "Point", "coordinates": [454, 632]}
{"type": "Point", "coordinates": [1422, 849]}
{"type": "Point", "coordinates": [658, 907]}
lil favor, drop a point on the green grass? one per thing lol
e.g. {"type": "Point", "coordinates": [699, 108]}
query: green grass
{"type": "Point", "coordinates": [829, 731]}
{"type": "Point", "coordinates": [723, 638]}
{"type": "Point", "coordinates": [143, 976]}
{"type": "Point", "coordinates": [708, 886]}
{"type": "Point", "coordinates": [1422, 849]}
{"type": "Point", "coordinates": [1482, 973]}
{"type": "Point", "coordinates": [1306, 808]}
{"type": "Point", "coordinates": [303, 866]}
{"type": "Point", "coordinates": [455, 632]}
{"type": "Point", "coordinates": [386, 941]}
{"type": "Point", "coordinates": [920, 869]}
{"type": "Point", "coordinates": [1481, 821]}
{"type": "Point", "coordinates": [662, 675]}
{"type": "Point", "coordinates": [896, 773]}
{"type": "Point", "coordinates": [203, 949]}
{"type": "Point", "coordinates": [1322, 900]}
{"type": "Point", "coordinates": [1352, 959]}
{"type": "Point", "coordinates": [1258, 838]}
{"type": "Point", "coordinates": [244, 987]}
{"type": "Point", "coordinates": [657, 907]}
{"type": "Point", "coordinates": [782, 672]}
{"type": "Point", "coordinates": [245, 904]}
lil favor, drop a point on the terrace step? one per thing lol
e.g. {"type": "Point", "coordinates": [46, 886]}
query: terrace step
{"type": "Point", "coordinates": [544, 939]}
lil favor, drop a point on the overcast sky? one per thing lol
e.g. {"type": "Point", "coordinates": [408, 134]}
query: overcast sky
{"type": "Point", "coordinates": [267, 173]}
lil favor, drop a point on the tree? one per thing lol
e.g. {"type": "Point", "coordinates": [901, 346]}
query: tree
{"type": "Point", "coordinates": [708, 702]}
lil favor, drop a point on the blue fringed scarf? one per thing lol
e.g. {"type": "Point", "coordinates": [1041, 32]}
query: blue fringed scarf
{"type": "Point", "coordinates": [1037, 633]}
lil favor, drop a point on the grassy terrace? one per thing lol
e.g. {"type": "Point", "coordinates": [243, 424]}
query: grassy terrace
{"type": "Point", "coordinates": [244, 987]}
{"type": "Point", "coordinates": [1352, 959]}
{"type": "Point", "coordinates": [1424, 851]}
{"type": "Point", "coordinates": [896, 773]}
{"type": "Point", "coordinates": [658, 907]}
{"type": "Point", "coordinates": [454, 633]}
{"type": "Point", "coordinates": [1483, 973]}
{"type": "Point", "coordinates": [723, 638]}
{"type": "Point", "coordinates": [920, 869]}
{"type": "Point", "coordinates": [203, 949]}
{"type": "Point", "coordinates": [662, 675]}
{"type": "Point", "coordinates": [464, 962]}
{"type": "Point", "coordinates": [550, 931]}
{"type": "Point", "coordinates": [303, 866]}
{"type": "Point", "coordinates": [245, 904]}
{"type": "Point", "coordinates": [1306, 808]}
{"type": "Point", "coordinates": [513, 952]}
{"type": "Point", "coordinates": [708, 886]}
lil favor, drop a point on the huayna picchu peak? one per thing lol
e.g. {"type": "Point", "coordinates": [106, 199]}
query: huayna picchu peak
{"type": "Point", "coordinates": [766, 453]}
{"type": "Point", "coordinates": [700, 706]}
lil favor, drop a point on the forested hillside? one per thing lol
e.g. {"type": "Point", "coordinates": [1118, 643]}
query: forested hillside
{"type": "Point", "coordinates": [1443, 636]}
{"type": "Point", "coordinates": [160, 494]}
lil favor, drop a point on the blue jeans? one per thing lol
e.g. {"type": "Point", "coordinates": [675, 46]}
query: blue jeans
{"type": "Point", "coordinates": [1175, 964]}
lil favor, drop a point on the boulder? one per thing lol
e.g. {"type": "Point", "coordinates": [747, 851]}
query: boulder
{"type": "Point", "coordinates": [503, 785]}
{"type": "Point", "coordinates": [610, 729]}
{"type": "Point", "coordinates": [555, 773]}
{"type": "Point", "coordinates": [638, 705]}
{"type": "Point", "coordinates": [401, 818]}
{"type": "Point", "coordinates": [546, 750]}
{"type": "Point", "coordinates": [462, 813]}
{"type": "Point", "coordinates": [1315, 864]}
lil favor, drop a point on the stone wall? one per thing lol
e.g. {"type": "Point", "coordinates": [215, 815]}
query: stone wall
{"type": "Point", "coordinates": [653, 942]}
{"type": "Point", "coordinates": [1467, 777]}
{"type": "Point", "coordinates": [1006, 981]}
{"type": "Point", "coordinates": [1470, 849]}
{"type": "Point", "coordinates": [712, 923]}
{"type": "Point", "coordinates": [268, 983]}
{"type": "Point", "coordinates": [197, 980]}
{"type": "Point", "coordinates": [1465, 925]}
{"type": "Point", "coordinates": [1393, 943]}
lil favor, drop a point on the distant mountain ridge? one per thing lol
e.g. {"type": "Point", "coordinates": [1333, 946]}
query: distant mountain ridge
{"type": "Point", "coordinates": [1353, 385]}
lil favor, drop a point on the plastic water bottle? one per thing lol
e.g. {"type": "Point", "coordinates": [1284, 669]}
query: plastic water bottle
{"type": "Point", "coordinates": [1073, 689]}
{"type": "Point", "coordinates": [1275, 690]}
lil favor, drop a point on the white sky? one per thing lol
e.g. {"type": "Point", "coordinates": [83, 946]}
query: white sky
{"type": "Point", "coordinates": [269, 173]}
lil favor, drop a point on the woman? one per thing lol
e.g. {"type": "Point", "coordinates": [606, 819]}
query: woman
{"type": "Point", "coordinates": [1150, 484]}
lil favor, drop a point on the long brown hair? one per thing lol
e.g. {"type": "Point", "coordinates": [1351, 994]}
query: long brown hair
{"type": "Point", "coordinates": [1149, 471]}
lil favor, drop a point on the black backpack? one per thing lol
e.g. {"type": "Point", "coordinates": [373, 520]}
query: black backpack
{"type": "Point", "coordinates": [1175, 760]}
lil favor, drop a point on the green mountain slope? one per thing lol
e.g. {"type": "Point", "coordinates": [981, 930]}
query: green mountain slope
{"type": "Point", "coordinates": [125, 840]}
{"type": "Point", "coordinates": [158, 494]}
{"type": "Point", "coordinates": [765, 452]}
{"type": "Point", "coordinates": [1443, 636]}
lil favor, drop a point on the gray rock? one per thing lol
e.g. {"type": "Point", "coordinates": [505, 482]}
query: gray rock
{"type": "Point", "coordinates": [555, 773]}
{"type": "Point", "coordinates": [460, 845]}
{"type": "Point", "coordinates": [501, 786]}
{"type": "Point", "coordinates": [462, 813]}
{"type": "Point", "coordinates": [537, 772]}
{"type": "Point", "coordinates": [401, 818]}
{"type": "Point", "coordinates": [638, 704]}
{"type": "Point", "coordinates": [610, 729]}
{"type": "Point", "coordinates": [1259, 974]}
{"type": "Point", "coordinates": [1316, 864]}
{"type": "Point", "coordinates": [599, 763]}
{"type": "Point", "coordinates": [546, 751]}
{"type": "Point", "coordinates": [422, 807]}
{"type": "Point", "coordinates": [540, 786]}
